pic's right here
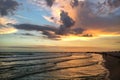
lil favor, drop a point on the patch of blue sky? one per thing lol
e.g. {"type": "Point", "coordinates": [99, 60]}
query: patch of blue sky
{"type": "Point", "coordinates": [29, 13]}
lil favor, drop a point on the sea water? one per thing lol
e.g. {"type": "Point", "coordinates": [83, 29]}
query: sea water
{"type": "Point", "coordinates": [52, 66]}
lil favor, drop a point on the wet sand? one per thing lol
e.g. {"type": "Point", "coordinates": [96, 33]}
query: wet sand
{"type": "Point", "coordinates": [112, 63]}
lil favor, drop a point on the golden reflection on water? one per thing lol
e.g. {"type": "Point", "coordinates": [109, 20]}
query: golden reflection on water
{"type": "Point", "coordinates": [72, 67]}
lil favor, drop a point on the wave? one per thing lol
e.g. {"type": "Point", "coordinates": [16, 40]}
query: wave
{"type": "Point", "coordinates": [13, 68]}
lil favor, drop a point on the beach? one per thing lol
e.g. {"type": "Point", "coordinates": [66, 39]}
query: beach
{"type": "Point", "coordinates": [112, 63]}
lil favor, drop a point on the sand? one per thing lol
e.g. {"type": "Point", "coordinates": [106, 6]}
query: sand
{"type": "Point", "coordinates": [112, 63]}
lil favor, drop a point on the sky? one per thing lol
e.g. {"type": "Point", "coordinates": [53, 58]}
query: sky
{"type": "Point", "coordinates": [56, 25]}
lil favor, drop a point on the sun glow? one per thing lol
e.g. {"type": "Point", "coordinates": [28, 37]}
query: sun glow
{"type": "Point", "coordinates": [82, 38]}
{"type": "Point", "coordinates": [74, 37]}
{"type": "Point", "coordinates": [7, 30]}
{"type": "Point", "coordinates": [99, 32]}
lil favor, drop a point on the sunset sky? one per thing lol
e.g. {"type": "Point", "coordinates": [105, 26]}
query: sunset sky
{"type": "Point", "coordinates": [26, 24]}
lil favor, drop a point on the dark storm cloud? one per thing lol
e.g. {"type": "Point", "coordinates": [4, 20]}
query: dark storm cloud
{"type": "Point", "coordinates": [67, 23]}
{"type": "Point", "coordinates": [66, 20]}
{"type": "Point", "coordinates": [31, 27]}
{"type": "Point", "coordinates": [48, 31]}
{"type": "Point", "coordinates": [7, 6]}
{"type": "Point", "coordinates": [50, 2]}
{"type": "Point", "coordinates": [66, 31]}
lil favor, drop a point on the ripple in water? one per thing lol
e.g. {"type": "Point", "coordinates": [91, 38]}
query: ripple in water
{"type": "Point", "coordinates": [52, 66]}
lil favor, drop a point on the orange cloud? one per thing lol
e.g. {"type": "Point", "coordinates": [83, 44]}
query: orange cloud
{"type": "Point", "coordinates": [98, 32]}
{"type": "Point", "coordinates": [7, 29]}
{"type": "Point", "coordinates": [6, 20]}
{"type": "Point", "coordinates": [65, 6]}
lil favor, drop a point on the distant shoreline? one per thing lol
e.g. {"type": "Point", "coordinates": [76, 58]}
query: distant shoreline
{"type": "Point", "coordinates": [97, 52]}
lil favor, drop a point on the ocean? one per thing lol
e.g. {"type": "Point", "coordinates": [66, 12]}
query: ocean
{"type": "Point", "coordinates": [52, 66]}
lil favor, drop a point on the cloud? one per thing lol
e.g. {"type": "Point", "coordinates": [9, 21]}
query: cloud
{"type": "Point", "coordinates": [5, 25]}
{"type": "Point", "coordinates": [65, 28]}
{"type": "Point", "coordinates": [74, 3]}
{"type": "Point", "coordinates": [87, 35]}
{"type": "Point", "coordinates": [6, 20]}
{"type": "Point", "coordinates": [43, 4]}
{"type": "Point", "coordinates": [6, 29]}
{"type": "Point", "coordinates": [51, 32]}
{"type": "Point", "coordinates": [67, 23]}
{"type": "Point", "coordinates": [51, 35]}
{"type": "Point", "coordinates": [23, 17]}
{"type": "Point", "coordinates": [83, 18]}
{"type": "Point", "coordinates": [78, 30]}
{"type": "Point", "coordinates": [114, 3]}
{"type": "Point", "coordinates": [48, 18]}
{"type": "Point", "coordinates": [66, 20]}
{"type": "Point", "coordinates": [7, 6]}
{"type": "Point", "coordinates": [102, 15]}
{"type": "Point", "coordinates": [50, 2]}
{"type": "Point", "coordinates": [92, 18]}
{"type": "Point", "coordinates": [95, 15]}
{"type": "Point", "coordinates": [52, 19]}
{"type": "Point", "coordinates": [55, 8]}
{"type": "Point", "coordinates": [27, 34]}
{"type": "Point", "coordinates": [48, 31]}
{"type": "Point", "coordinates": [31, 27]}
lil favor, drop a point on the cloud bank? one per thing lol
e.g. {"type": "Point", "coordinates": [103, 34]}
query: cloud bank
{"type": "Point", "coordinates": [7, 7]}
{"type": "Point", "coordinates": [83, 18]}
{"type": "Point", "coordinates": [86, 18]}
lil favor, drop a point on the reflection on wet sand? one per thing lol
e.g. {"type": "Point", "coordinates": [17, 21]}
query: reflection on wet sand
{"type": "Point", "coordinates": [112, 63]}
{"type": "Point", "coordinates": [52, 66]}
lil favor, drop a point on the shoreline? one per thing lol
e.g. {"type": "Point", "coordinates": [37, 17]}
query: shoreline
{"type": "Point", "coordinates": [112, 63]}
